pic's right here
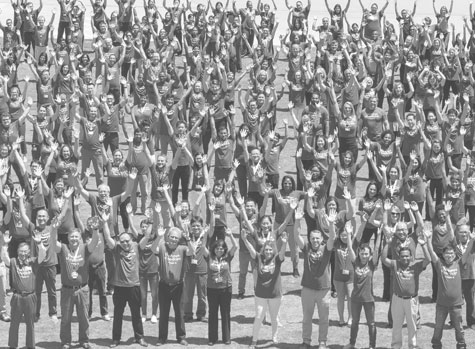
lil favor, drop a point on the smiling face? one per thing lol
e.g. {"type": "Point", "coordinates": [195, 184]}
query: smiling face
{"type": "Point", "coordinates": [41, 218]}
{"type": "Point", "coordinates": [287, 185]}
{"type": "Point", "coordinates": [364, 253]}
{"type": "Point", "coordinates": [23, 252]}
{"type": "Point", "coordinates": [448, 255]}
{"type": "Point", "coordinates": [268, 252]}
{"type": "Point", "coordinates": [174, 237]}
{"type": "Point", "coordinates": [405, 257]}
{"type": "Point", "coordinates": [372, 190]}
{"type": "Point", "coordinates": [266, 224]}
{"type": "Point", "coordinates": [74, 238]}
{"type": "Point", "coordinates": [315, 238]}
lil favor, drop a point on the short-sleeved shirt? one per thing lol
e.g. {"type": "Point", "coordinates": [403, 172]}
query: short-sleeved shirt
{"type": "Point", "coordinates": [374, 122]}
{"type": "Point", "coordinates": [91, 132]}
{"type": "Point", "coordinates": [23, 276]}
{"type": "Point", "coordinates": [316, 268]}
{"type": "Point", "coordinates": [171, 263]}
{"type": "Point", "coordinates": [45, 236]}
{"type": "Point", "coordinates": [126, 271]}
{"type": "Point", "coordinates": [449, 283]}
{"type": "Point", "coordinates": [224, 154]}
{"type": "Point", "coordinates": [268, 283]}
{"type": "Point", "coordinates": [363, 281]}
{"type": "Point", "coordinates": [343, 266]}
{"type": "Point", "coordinates": [219, 272]}
{"type": "Point", "coordinates": [406, 280]}
{"type": "Point", "coordinates": [148, 259]}
{"type": "Point", "coordinates": [74, 265]}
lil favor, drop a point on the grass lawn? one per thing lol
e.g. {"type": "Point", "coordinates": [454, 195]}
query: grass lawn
{"type": "Point", "coordinates": [242, 313]}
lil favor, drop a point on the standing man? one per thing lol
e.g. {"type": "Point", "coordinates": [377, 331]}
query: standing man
{"type": "Point", "coordinates": [74, 262]}
{"type": "Point", "coordinates": [23, 271]}
{"type": "Point", "coordinates": [171, 257]}
{"type": "Point", "coordinates": [126, 282]}
{"type": "Point", "coordinates": [405, 300]}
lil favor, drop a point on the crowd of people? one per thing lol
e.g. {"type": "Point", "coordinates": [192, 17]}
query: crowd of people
{"type": "Point", "coordinates": [396, 96]}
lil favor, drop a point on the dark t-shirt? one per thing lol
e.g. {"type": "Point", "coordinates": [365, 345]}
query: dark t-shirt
{"type": "Point", "coordinates": [449, 283]}
{"type": "Point", "coordinates": [406, 281]}
{"type": "Point", "coordinates": [219, 272]}
{"type": "Point", "coordinates": [126, 271]}
{"type": "Point", "coordinates": [316, 268]}
{"type": "Point", "coordinates": [268, 283]}
{"type": "Point", "coordinates": [74, 265]}
{"type": "Point", "coordinates": [45, 235]}
{"type": "Point", "coordinates": [363, 281]}
{"type": "Point", "coordinates": [23, 277]}
{"type": "Point", "coordinates": [171, 263]}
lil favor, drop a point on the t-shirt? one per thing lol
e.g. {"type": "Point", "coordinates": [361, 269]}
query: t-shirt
{"type": "Point", "coordinates": [363, 281]}
{"type": "Point", "coordinates": [268, 283]}
{"type": "Point", "coordinates": [224, 154]}
{"type": "Point", "coordinates": [219, 272]}
{"type": "Point", "coordinates": [159, 178]}
{"type": "Point", "coordinates": [440, 237]}
{"type": "Point", "coordinates": [406, 280]}
{"type": "Point", "coordinates": [449, 284]}
{"type": "Point", "coordinates": [171, 263]}
{"type": "Point", "coordinates": [196, 263]}
{"type": "Point", "coordinates": [343, 266]}
{"type": "Point", "coordinates": [148, 259]}
{"type": "Point", "coordinates": [374, 122]}
{"type": "Point", "coordinates": [74, 265]}
{"type": "Point", "coordinates": [316, 267]}
{"type": "Point", "coordinates": [126, 271]}
{"type": "Point", "coordinates": [90, 131]}
{"type": "Point", "coordinates": [23, 276]}
{"type": "Point", "coordinates": [97, 255]}
{"type": "Point", "coordinates": [99, 207]}
{"type": "Point", "coordinates": [45, 235]}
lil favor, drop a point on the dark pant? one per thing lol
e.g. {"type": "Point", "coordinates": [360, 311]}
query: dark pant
{"type": "Point", "coordinates": [437, 192]}
{"type": "Point", "coordinates": [368, 233]}
{"type": "Point", "coordinates": [22, 305]}
{"type": "Point", "coordinates": [122, 296]}
{"type": "Point", "coordinates": [241, 175]}
{"type": "Point", "coordinates": [168, 294]}
{"type": "Point", "coordinates": [219, 298]}
{"type": "Point", "coordinates": [29, 40]}
{"type": "Point", "coordinates": [97, 275]}
{"type": "Point", "coordinates": [71, 298]}
{"type": "Point", "coordinates": [182, 174]}
{"type": "Point", "coordinates": [369, 313]}
{"type": "Point", "coordinates": [63, 28]}
{"type": "Point", "coordinates": [468, 289]}
{"type": "Point", "coordinates": [111, 139]}
{"type": "Point", "coordinates": [46, 274]}
{"type": "Point", "coordinates": [434, 282]}
{"type": "Point", "coordinates": [471, 216]}
{"type": "Point", "coordinates": [387, 283]}
{"type": "Point", "coordinates": [307, 164]}
{"type": "Point", "coordinates": [441, 313]}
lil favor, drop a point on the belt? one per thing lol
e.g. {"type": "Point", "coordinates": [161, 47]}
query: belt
{"type": "Point", "coordinates": [97, 265]}
{"type": "Point", "coordinates": [23, 294]}
{"type": "Point", "coordinates": [406, 297]}
{"type": "Point", "coordinates": [75, 287]}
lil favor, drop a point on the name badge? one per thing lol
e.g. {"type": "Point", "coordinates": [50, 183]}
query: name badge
{"type": "Point", "coordinates": [74, 275]}
{"type": "Point", "coordinates": [345, 272]}
{"type": "Point", "coordinates": [194, 261]}
{"type": "Point", "coordinates": [218, 280]}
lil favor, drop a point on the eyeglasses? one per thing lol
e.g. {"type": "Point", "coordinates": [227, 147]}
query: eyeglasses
{"type": "Point", "coordinates": [125, 241]}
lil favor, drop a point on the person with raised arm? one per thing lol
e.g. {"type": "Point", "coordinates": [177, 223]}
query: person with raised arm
{"type": "Point", "coordinates": [316, 280]}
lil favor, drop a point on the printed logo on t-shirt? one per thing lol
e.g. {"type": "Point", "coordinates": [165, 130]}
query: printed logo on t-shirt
{"type": "Point", "coordinates": [362, 271]}
{"type": "Point", "coordinates": [173, 258]}
{"type": "Point", "coordinates": [268, 268]}
{"type": "Point", "coordinates": [315, 256]}
{"type": "Point", "coordinates": [405, 275]}
{"type": "Point", "coordinates": [127, 255]}
{"type": "Point", "coordinates": [449, 273]}
{"type": "Point", "coordinates": [24, 272]}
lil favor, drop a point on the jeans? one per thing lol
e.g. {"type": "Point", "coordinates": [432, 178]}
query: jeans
{"type": "Point", "coordinates": [369, 313]}
{"type": "Point", "coordinates": [219, 299]}
{"type": "Point", "coordinates": [244, 261]}
{"type": "Point", "coordinates": [241, 176]}
{"type": "Point", "coordinates": [63, 28]}
{"type": "Point", "coordinates": [97, 276]}
{"type": "Point", "coordinates": [294, 253]}
{"type": "Point", "coordinates": [191, 281]}
{"type": "Point", "coordinates": [468, 289]}
{"type": "Point", "coordinates": [3, 281]}
{"type": "Point", "coordinates": [309, 298]}
{"type": "Point", "coordinates": [182, 174]}
{"type": "Point", "coordinates": [70, 298]}
{"type": "Point", "coordinates": [97, 162]}
{"type": "Point", "coordinates": [152, 280]}
{"type": "Point", "coordinates": [46, 274]}
{"type": "Point", "coordinates": [122, 296]}
{"type": "Point", "coordinates": [22, 305]}
{"type": "Point", "coordinates": [404, 309]}
{"type": "Point", "coordinates": [262, 304]}
{"type": "Point", "coordinates": [441, 313]}
{"type": "Point", "coordinates": [168, 294]}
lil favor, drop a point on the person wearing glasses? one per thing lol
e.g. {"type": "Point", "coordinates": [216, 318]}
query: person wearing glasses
{"type": "Point", "coordinates": [126, 282]}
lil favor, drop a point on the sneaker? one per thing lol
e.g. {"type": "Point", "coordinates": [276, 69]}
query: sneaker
{"type": "Point", "coordinates": [65, 346]}
{"type": "Point", "coordinates": [183, 342]}
{"type": "Point", "coordinates": [275, 341]}
{"type": "Point", "coordinates": [296, 273]}
{"type": "Point", "coordinates": [141, 342]}
{"type": "Point", "coordinates": [54, 318]}
{"type": "Point", "coordinates": [188, 319]}
{"type": "Point", "coordinates": [144, 318]}
{"type": "Point", "coordinates": [322, 345]}
{"type": "Point", "coordinates": [304, 346]}
{"type": "Point", "coordinates": [106, 317]}
{"type": "Point", "coordinates": [334, 294]}
{"type": "Point", "coordinates": [153, 319]}
{"type": "Point", "coordinates": [85, 345]}
{"type": "Point", "coordinates": [350, 321]}
{"type": "Point", "coordinates": [240, 295]}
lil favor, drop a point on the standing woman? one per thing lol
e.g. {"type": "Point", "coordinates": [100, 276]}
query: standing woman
{"type": "Point", "coordinates": [373, 19]}
{"type": "Point", "coordinates": [199, 181]}
{"type": "Point", "coordinates": [434, 170]}
{"type": "Point", "coordinates": [347, 129]}
{"type": "Point", "coordinates": [219, 291]}
{"type": "Point", "coordinates": [413, 184]}
{"type": "Point", "coordinates": [367, 205]}
{"type": "Point", "coordinates": [268, 288]}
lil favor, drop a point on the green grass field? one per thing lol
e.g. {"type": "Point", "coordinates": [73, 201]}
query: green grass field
{"type": "Point", "coordinates": [242, 312]}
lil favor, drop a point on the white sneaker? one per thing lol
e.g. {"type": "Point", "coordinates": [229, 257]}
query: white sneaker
{"type": "Point", "coordinates": [106, 317]}
{"type": "Point", "coordinates": [322, 345]}
{"type": "Point", "coordinates": [54, 318]}
{"type": "Point", "coordinates": [153, 319]}
{"type": "Point", "coordinates": [144, 319]}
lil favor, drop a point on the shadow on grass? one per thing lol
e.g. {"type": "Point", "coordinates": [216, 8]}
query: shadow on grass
{"type": "Point", "coordinates": [241, 319]}
{"type": "Point", "coordinates": [48, 344]}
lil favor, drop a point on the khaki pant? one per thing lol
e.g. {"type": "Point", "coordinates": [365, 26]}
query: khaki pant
{"type": "Point", "coordinates": [309, 298]}
{"type": "Point", "coordinates": [404, 309]}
